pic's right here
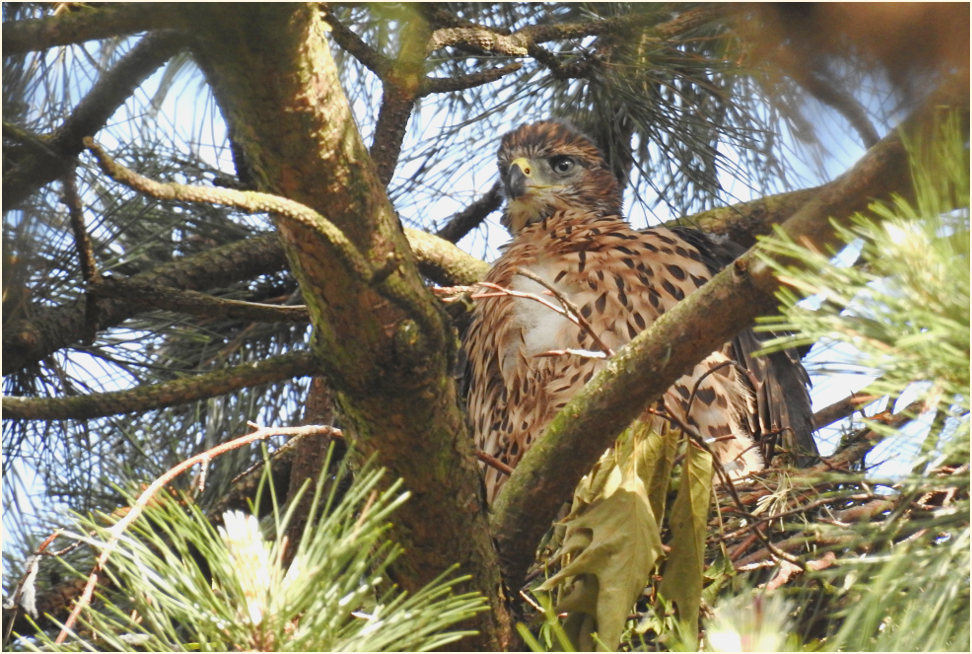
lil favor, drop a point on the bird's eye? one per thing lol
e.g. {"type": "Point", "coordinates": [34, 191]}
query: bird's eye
{"type": "Point", "coordinates": [561, 165]}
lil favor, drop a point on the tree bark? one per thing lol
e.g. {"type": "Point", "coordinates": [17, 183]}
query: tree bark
{"type": "Point", "coordinates": [387, 347]}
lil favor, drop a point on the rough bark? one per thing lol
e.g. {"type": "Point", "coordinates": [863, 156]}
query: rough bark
{"type": "Point", "coordinates": [84, 25]}
{"type": "Point", "coordinates": [386, 346]}
{"type": "Point", "coordinates": [48, 329]}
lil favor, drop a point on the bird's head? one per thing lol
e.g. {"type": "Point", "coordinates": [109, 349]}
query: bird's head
{"type": "Point", "coordinates": [549, 166]}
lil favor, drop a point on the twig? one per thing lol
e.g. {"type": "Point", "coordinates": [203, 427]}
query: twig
{"type": "Point", "coordinates": [25, 585]}
{"type": "Point", "coordinates": [841, 409]}
{"type": "Point", "coordinates": [731, 489]}
{"type": "Point", "coordinates": [493, 462]}
{"type": "Point", "coordinates": [788, 570]}
{"type": "Point", "coordinates": [82, 242]}
{"type": "Point", "coordinates": [864, 511]}
{"type": "Point", "coordinates": [116, 531]}
{"type": "Point", "coordinates": [448, 84]}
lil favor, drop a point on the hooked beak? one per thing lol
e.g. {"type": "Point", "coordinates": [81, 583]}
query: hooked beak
{"type": "Point", "coordinates": [519, 177]}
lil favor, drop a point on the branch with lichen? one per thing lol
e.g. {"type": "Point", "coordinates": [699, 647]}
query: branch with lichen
{"type": "Point", "coordinates": [379, 276]}
{"type": "Point", "coordinates": [166, 394]}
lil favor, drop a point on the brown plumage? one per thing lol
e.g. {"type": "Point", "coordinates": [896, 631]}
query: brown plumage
{"type": "Point", "coordinates": [564, 207]}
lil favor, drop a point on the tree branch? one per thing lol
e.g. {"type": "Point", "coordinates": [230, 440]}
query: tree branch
{"type": "Point", "coordinates": [388, 363]}
{"type": "Point", "coordinates": [248, 201]}
{"type": "Point", "coordinates": [517, 44]}
{"type": "Point", "coordinates": [48, 157]}
{"type": "Point", "coordinates": [159, 396]}
{"type": "Point", "coordinates": [841, 409]}
{"type": "Point", "coordinates": [85, 25]}
{"type": "Point", "coordinates": [378, 275]}
{"type": "Point", "coordinates": [82, 243]}
{"type": "Point", "coordinates": [643, 370]}
{"type": "Point", "coordinates": [745, 221]}
{"type": "Point", "coordinates": [401, 86]}
{"type": "Point", "coordinates": [50, 329]}
{"type": "Point", "coordinates": [448, 84]}
{"type": "Point", "coordinates": [469, 218]}
{"type": "Point", "coordinates": [158, 296]}
{"type": "Point", "coordinates": [812, 77]}
{"type": "Point", "coordinates": [352, 43]}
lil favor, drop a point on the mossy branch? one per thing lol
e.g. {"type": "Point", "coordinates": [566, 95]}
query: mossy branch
{"type": "Point", "coordinates": [166, 394]}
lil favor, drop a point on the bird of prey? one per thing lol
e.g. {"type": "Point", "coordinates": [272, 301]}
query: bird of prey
{"type": "Point", "coordinates": [526, 360]}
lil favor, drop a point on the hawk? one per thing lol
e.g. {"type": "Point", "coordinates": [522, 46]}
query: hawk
{"type": "Point", "coordinates": [526, 360]}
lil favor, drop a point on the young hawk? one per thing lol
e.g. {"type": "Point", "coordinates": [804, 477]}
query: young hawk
{"type": "Point", "coordinates": [564, 211]}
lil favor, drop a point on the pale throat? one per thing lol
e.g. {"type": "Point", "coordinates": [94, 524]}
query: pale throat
{"type": "Point", "coordinates": [523, 211]}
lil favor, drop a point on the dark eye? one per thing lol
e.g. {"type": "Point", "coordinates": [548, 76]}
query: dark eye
{"type": "Point", "coordinates": [561, 165]}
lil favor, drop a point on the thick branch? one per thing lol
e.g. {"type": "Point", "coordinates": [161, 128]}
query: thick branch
{"type": "Point", "coordinates": [84, 25]}
{"type": "Point", "coordinates": [388, 363]}
{"type": "Point", "coordinates": [442, 261]}
{"type": "Point", "coordinates": [745, 221]}
{"type": "Point", "coordinates": [643, 370]}
{"type": "Point", "coordinates": [159, 396]}
{"type": "Point", "coordinates": [52, 328]}
{"type": "Point", "coordinates": [49, 157]}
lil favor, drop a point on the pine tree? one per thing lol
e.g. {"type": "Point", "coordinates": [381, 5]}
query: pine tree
{"type": "Point", "coordinates": [146, 323]}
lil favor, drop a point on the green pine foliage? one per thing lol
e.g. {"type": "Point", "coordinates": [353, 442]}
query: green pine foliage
{"type": "Point", "coordinates": [186, 585]}
{"type": "Point", "coordinates": [902, 581]}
